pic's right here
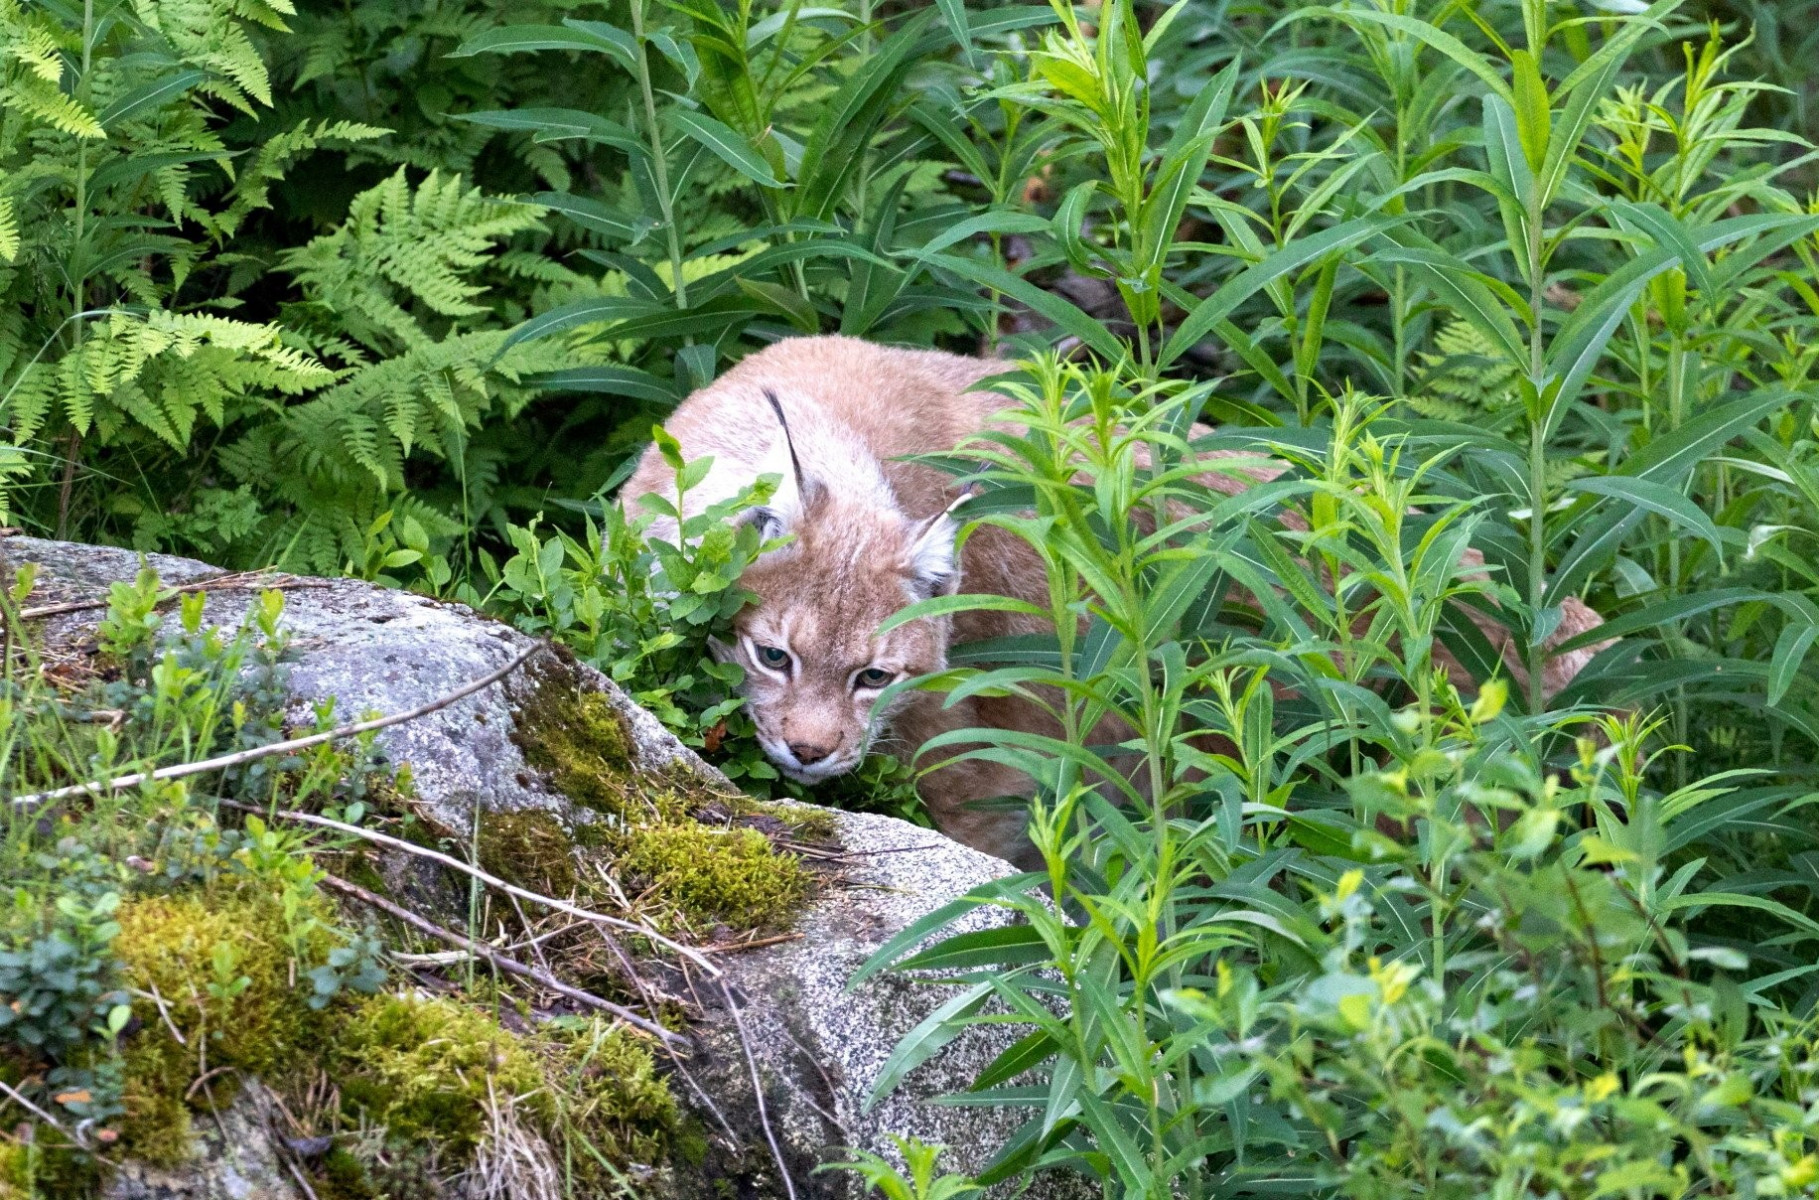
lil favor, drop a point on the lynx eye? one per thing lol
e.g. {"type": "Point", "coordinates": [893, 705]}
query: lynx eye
{"type": "Point", "coordinates": [873, 677]}
{"type": "Point", "coordinates": [773, 658]}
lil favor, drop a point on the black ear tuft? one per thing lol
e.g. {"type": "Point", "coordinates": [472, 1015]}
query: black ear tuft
{"type": "Point", "coordinates": [807, 490]}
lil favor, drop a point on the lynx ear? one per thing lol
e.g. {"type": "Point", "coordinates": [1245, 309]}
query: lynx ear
{"type": "Point", "coordinates": [930, 559]}
{"type": "Point", "coordinates": [806, 489]}
{"type": "Point", "coordinates": [768, 520]}
{"type": "Point", "coordinates": [794, 493]}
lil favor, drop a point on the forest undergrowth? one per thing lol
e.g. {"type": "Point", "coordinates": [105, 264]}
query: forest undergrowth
{"type": "Point", "coordinates": [397, 289]}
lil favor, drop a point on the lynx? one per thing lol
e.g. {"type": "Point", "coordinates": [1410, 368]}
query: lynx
{"type": "Point", "coordinates": [832, 417]}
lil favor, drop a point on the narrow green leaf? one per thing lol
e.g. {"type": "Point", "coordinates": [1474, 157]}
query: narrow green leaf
{"type": "Point", "coordinates": [1055, 308]}
{"type": "Point", "coordinates": [1026, 1053]}
{"type": "Point", "coordinates": [610, 381]}
{"type": "Point", "coordinates": [784, 301]}
{"type": "Point", "coordinates": [1534, 117]}
{"type": "Point", "coordinates": [615, 41]}
{"type": "Point", "coordinates": [1798, 920]}
{"type": "Point", "coordinates": [997, 891]}
{"type": "Point", "coordinates": [1510, 168]}
{"type": "Point", "coordinates": [1679, 608]}
{"type": "Point", "coordinates": [1658, 498]}
{"type": "Point", "coordinates": [592, 214]}
{"type": "Point", "coordinates": [570, 316]}
{"type": "Point", "coordinates": [996, 220]}
{"type": "Point", "coordinates": [1253, 279]}
{"type": "Point", "coordinates": [1670, 457]}
{"type": "Point", "coordinates": [557, 124]}
{"type": "Point", "coordinates": [728, 145]}
{"type": "Point", "coordinates": [520, 39]}
{"type": "Point", "coordinates": [1437, 38]}
{"type": "Point", "coordinates": [1670, 233]}
{"type": "Point", "coordinates": [1005, 946]}
{"type": "Point", "coordinates": [944, 606]}
{"type": "Point", "coordinates": [954, 13]}
{"type": "Point", "coordinates": [1467, 292]}
{"type": "Point", "coordinates": [1790, 653]}
{"type": "Point", "coordinates": [920, 1044]}
{"type": "Point", "coordinates": [149, 95]}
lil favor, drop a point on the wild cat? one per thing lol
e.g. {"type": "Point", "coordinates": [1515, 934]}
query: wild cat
{"type": "Point", "coordinates": [833, 417]}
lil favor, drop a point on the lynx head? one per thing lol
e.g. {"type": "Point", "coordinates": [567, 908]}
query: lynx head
{"type": "Point", "coordinates": [814, 659]}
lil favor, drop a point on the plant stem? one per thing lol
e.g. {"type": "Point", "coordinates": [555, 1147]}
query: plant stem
{"type": "Point", "coordinates": [659, 166]}
{"type": "Point", "coordinates": [78, 267]}
{"type": "Point", "coordinates": [1537, 465]}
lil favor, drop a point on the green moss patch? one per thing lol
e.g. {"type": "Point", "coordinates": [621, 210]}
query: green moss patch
{"type": "Point", "coordinates": [703, 874]}
{"type": "Point", "coordinates": [426, 1067]}
{"type": "Point", "coordinates": [530, 848]}
{"type": "Point", "coordinates": [219, 972]}
{"type": "Point", "coordinates": [717, 876]}
{"type": "Point", "coordinates": [610, 1090]}
{"type": "Point", "coordinates": [431, 1070]}
{"type": "Point", "coordinates": [221, 993]}
{"type": "Point", "coordinates": [581, 742]}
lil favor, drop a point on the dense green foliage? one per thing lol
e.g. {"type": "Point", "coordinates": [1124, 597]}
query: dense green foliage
{"type": "Point", "coordinates": [1540, 278]}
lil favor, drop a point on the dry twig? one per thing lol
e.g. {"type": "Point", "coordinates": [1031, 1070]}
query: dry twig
{"type": "Point", "coordinates": [222, 762]}
{"type": "Point", "coordinates": [237, 581]}
{"type": "Point", "coordinates": [510, 966]}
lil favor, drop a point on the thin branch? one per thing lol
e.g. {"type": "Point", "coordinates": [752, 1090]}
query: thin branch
{"type": "Point", "coordinates": [755, 944]}
{"type": "Point", "coordinates": [510, 966]}
{"type": "Point", "coordinates": [75, 1137]}
{"type": "Point", "coordinates": [493, 881]}
{"type": "Point", "coordinates": [238, 580]}
{"type": "Point", "coordinates": [181, 770]}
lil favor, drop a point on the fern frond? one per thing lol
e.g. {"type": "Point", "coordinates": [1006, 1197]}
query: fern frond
{"type": "Point", "coordinates": [9, 230]}
{"type": "Point", "coordinates": [35, 98]}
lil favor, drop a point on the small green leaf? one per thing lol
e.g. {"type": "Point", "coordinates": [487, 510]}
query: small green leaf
{"type": "Point", "coordinates": [1790, 652]}
{"type": "Point", "coordinates": [1533, 115]}
{"type": "Point", "coordinates": [729, 145]}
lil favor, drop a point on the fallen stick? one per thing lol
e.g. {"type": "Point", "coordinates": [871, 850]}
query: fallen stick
{"type": "Point", "coordinates": [755, 944]}
{"type": "Point", "coordinates": [181, 770]}
{"type": "Point", "coordinates": [492, 881]}
{"type": "Point", "coordinates": [240, 580]}
{"type": "Point", "coordinates": [76, 1137]}
{"type": "Point", "coordinates": [510, 966]}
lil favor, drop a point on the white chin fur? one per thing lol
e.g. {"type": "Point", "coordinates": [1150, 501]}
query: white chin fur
{"type": "Point", "coordinates": [815, 772]}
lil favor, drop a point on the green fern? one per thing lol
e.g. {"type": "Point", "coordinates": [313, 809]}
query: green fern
{"type": "Point", "coordinates": [390, 302]}
{"type": "Point", "coordinates": [118, 342]}
{"type": "Point", "coordinates": [1467, 380]}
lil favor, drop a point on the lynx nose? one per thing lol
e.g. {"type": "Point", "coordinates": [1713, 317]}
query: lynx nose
{"type": "Point", "coordinates": [809, 755]}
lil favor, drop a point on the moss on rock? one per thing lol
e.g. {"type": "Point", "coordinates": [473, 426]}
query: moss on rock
{"type": "Point", "coordinates": [581, 742]}
{"type": "Point", "coordinates": [433, 1071]}
{"type": "Point", "coordinates": [718, 876]}
{"type": "Point", "coordinates": [607, 1085]}
{"type": "Point", "coordinates": [220, 972]}
{"type": "Point", "coordinates": [707, 875]}
{"type": "Point", "coordinates": [425, 1067]}
{"type": "Point", "coordinates": [529, 848]}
